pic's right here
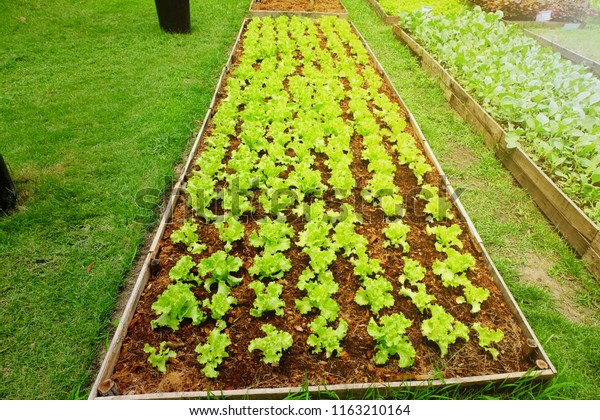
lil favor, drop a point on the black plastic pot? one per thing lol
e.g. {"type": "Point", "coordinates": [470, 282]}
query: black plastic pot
{"type": "Point", "coordinates": [174, 15]}
{"type": "Point", "coordinates": [8, 194]}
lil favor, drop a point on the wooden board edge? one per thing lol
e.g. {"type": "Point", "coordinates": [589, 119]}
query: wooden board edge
{"type": "Point", "coordinates": [342, 390]}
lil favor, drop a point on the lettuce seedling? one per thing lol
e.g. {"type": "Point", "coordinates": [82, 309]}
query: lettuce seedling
{"type": "Point", "coordinates": [221, 302]}
{"type": "Point", "coordinates": [446, 237]}
{"type": "Point", "coordinates": [267, 298]}
{"type": "Point", "coordinates": [230, 230]}
{"type": "Point", "coordinates": [273, 345]}
{"type": "Point", "coordinates": [182, 270]}
{"type": "Point", "coordinates": [488, 336]}
{"type": "Point", "coordinates": [325, 338]}
{"type": "Point", "coordinates": [391, 339]}
{"type": "Point", "coordinates": [176, 303]}
{"type": "Point", "coordinates": [443, 329]}
{"type": "Point", "coordinates": [396, 234]}
{"type": "Point", "coordinates": [212, 353]}
{"type": "Point", "coordinates": [159, 359]}
{"type": "Point", "coordinates": [220, 265]}
{"type": "Point", "coordinates": [375, 293]}
{"type": "Point", "coordinates": [270, 265]}
{"type": "Point", "coordinates": [187, 235]}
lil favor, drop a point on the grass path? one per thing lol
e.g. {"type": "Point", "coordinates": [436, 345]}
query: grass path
{"type": "Point", "coordinates": [96, 104]}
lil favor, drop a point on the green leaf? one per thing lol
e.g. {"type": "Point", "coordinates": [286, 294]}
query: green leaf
{"type": "Point", "coordinates": [267, 298]}
{"type": "Point", "coordinates": [182, 269]}
{"type": "Point", "coordinates": [270, 265]}
{"type": "Point", "coordinates": [273, 345]}
{"type": "Point", "coordinates": [443, 329]}
{"type": "Point", "coordinates": [391, 339]}
{"type": "Point", "coordinates": [159, 359]}
{"type": "Point", "coordinates": [176, 303]}
{"type": "Point", "coordinates": [488, 336]}
{"type": "Point", "coordinates": [220, 265]}
{"type": "Point", "coordinates": [212, 353]}
{"type": "Point", "coordinates": [326, 338]}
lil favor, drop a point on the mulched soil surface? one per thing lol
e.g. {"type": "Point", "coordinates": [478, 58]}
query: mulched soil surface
{"type": "Point", "coordinates": [299, 5]}
{"type": "Point", "coordinates": [243, 370]}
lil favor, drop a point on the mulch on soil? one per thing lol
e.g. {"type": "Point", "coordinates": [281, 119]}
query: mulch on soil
{"type": "Point", "coordinates": [299, 5]}
{"type": "Point", "coordinates": [242, 369]}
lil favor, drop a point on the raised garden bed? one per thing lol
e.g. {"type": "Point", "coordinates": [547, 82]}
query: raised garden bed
{"type": "Point", "coordinates": [575, 226]}
{"type": "Point", "coordinates": [316, 94]}
{"type": "Point", "coordinates": [594, 66]}
{"type": "Point", "coordinates": [305, 8]}
{"type": "Point", "coordinates": [387, 19]}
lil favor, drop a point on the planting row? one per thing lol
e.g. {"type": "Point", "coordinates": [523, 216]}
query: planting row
{"type": "Point", "coordinates": [315, 241]}
{"type": "Point", "coordinates": [549, 106]}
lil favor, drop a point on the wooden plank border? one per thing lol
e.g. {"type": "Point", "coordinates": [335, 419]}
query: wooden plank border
{"type": "Point", "coordinates": [566, 53]}
{"type": "Point", "coordinates": [312, 15]}
{"type": "Point", "coordinates": [575, 226]}
{"type": "Point", "coordinates": [545, 371]}
{"type": "Point", "coordinates": [387, 19]}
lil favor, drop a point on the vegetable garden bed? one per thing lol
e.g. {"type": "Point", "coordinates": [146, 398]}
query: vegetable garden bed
{"type": "Point", "coordinates": [305, 8]}
{"type": "Point", "coordinates": [387, 19]}
{"type": "Point", "coordinates": [573, 223]}
{"type": "Point", "coordinates": [358, 267]}
{"type": "Point", "coordinates": [594, 66]}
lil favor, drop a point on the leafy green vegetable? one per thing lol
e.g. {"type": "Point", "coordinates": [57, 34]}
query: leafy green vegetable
{"type": "Point", "coordinates": [413, 271]}
{"type": "Point", "coordinates": [446, 237]}
{"type": "Point", "coordinates": [391, 339]}
{"type": "Point", "coordinates": [449, 270]}
{"type": "Point", "coordinates": [488, 336]}
{"type": "Point", "coordinates": [230, 230]}
{"type": "Point", "coordinates": [443, 329]}
{"type": "Point", "coordinates": [273, 236]}
{"type": "Point", "coordinates": [270, 265]}
{"type": "Point", "coordinates": [212, 353]}
{"type": "Point", "coordinates": [267, 299]}
{"type": "Point", "coordinates": [396, 234]}
{"type": "Point", "coordinates": [325, 338]}
{"type": "Point", "coordinates": [474, 296]}
{"type": "Point", "coordinates": [375, 292]}
{"type": "Point", "coordinates": [548, 105]}
{"type": "Point", "coordinates": [221, 302]}
{"type": "Point", "coordinates": [182, 270]}
{"type": "Point", "coordinates": [187, 235]}
{"type": "Point", "coordinates": [273, 345]}
{"type": "Point", "coordinates": [220, 265]}
{"type": "Point", "coordinates": [176, 303]}
{"type": "Point", "coordinates": [392, 205]}
{"type": "Point", "coordinates": [159, 359]}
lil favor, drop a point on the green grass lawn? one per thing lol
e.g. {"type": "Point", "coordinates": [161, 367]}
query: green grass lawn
{"type": "Point", "coordinates": [585, 41]}
{"type": "Point", "coordinates": [97, 104]}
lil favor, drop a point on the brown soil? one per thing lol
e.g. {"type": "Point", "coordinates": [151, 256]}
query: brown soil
{"type": "Point", "coordinates": [299, 5]}
{"type": "Point", "coordinates": [243, 370]}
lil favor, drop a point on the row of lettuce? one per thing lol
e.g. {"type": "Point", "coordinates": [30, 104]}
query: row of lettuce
{"type": "Point", "coordinates": [283, 103]}
{"type": "Point", "coordinates": [549, 106]}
